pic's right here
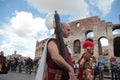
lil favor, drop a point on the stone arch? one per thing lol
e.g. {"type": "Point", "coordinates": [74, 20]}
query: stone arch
{"type": "Point", "coordinates": [77, 46]}
{"type": "Point", "coordinates": [87, 32]}
{"type": "Point", "coordinates": [102, 49]}
{"type": "Point", "coordinates": [116, 31]}
{"type": "Point", "coordinates": [116, 27]}
{"type": "Point", "coordinates": [116, 42]}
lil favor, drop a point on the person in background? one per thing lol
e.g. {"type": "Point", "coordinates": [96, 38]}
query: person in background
{"type": "Point", "coordinates": [95, 68]}
{"type": "Point", "coordinates": [114, 67]}
{"type": "Point", "coordinates": [85, 71]}
{"type": "Point", "coordinates": [101, 65]}
{"type": "Point", "coordinates": [28, 65]}
{"type": "Point", "coordinates": [36, 64]}
{"type": "Point", "coordinates": [1, 61]}
{"type": "Point", "coordinates": [20, 63]}
{"type": "Point", "coordinates": [4, 69]}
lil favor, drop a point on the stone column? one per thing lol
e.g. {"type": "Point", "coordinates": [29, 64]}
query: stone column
{"type": "Point", "coordinates": [111, 52]}
{"type": "Point", "coordinates": [96, 53]}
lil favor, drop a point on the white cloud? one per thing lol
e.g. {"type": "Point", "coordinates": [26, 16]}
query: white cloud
{"type": "Point", "coordinates": [77, 8]}
{"type": "Point", "coordinates": [103, 5]}
{"type": "Point", "coordinates": [25, 25]}
{"type": "Point", "coordinates": [1, 31]}
{"type": "Point", "coordinates": [22, 33]}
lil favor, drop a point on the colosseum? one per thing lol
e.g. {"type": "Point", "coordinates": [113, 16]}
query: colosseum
{"type": "Point", "coordinates": [97, 29]}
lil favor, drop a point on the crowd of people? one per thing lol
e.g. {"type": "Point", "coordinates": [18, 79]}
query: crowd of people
{"type": "Point", "coordinates": [17, 64]}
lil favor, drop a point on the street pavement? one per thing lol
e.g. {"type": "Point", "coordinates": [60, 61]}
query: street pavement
{"type": "Point", "coordinates": [24, 76]}
{"type": "Point", "coordinates": [17, 76]}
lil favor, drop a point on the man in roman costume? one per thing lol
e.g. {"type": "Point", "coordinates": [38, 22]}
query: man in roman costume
{"type": "Point", "coordinates": [85, 71]}
{"type": "Point", "coordinates": [52, 64]}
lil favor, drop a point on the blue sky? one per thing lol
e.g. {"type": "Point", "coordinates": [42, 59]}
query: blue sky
{"type": "Point", "coordinates": [22, 21]}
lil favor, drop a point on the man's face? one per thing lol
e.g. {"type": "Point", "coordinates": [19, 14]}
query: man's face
{"type": "Point", "coordinates": [90, 49]}
{"type": "Point", "coordinates": [66, 30]}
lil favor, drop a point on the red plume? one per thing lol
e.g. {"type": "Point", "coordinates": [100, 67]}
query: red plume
{"type": "Point", "coordinates": [87, 43]}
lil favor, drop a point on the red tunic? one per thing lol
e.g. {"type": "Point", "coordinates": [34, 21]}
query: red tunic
{"type": "Point", "coordinates": [52, 65]}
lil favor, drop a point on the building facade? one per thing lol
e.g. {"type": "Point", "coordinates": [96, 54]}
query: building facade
{"type": "Point", "coordinates": [99, 29]}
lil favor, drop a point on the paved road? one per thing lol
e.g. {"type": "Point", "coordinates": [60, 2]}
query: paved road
{"type": "Point", "coordinates": [17, 76]}
{"type": "Point", "coordinates": [24, 76]}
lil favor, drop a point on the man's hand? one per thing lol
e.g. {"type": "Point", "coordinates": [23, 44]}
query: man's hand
{"type": "Point", "coordinates": [71, 74]}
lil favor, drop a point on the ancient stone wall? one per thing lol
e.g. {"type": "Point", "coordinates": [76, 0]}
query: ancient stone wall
{"type": "Point", "coordinates": [80, 29]}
